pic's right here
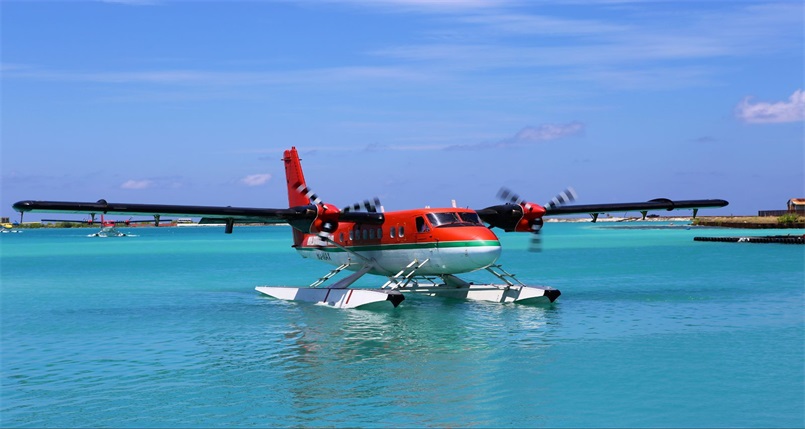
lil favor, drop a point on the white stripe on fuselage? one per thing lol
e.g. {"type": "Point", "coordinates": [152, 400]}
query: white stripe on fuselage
{"type": "Point", "coordinates": [389, 261]}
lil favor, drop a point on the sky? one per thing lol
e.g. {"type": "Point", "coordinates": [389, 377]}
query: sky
{"type": "Point", "coordinates": [417, 102]}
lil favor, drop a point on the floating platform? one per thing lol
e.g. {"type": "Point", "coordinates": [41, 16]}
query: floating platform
{"type": "Point", "coordinates": [334, 297]}
{"type": "Point", "coordinates": [359, 297]}
{"type": "Point", "coordinates": [487, 292]}
{"type": "Point", "coordinates": [780, 239]}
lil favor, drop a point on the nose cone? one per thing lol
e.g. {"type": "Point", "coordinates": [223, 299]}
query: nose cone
{"type": "Point", "coordinates": [485, 249]}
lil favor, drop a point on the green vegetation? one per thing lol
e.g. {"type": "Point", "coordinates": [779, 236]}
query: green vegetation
{"type": "Point", "coordinates": [789, 219]}
{"type": "Point", "coordinates": [727, 220]}
{"type": "Point", "coordinates": [32, 225]}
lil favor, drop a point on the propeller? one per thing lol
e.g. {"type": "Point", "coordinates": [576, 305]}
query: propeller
{"type": "Point", "coordinates": [522, 216]}
{"type": "Point", "coordinates": [328, 216]}
{"type": "Point", "coordinates": [568, 195]}
{"type": "Point", "coordinates": [534, 223]}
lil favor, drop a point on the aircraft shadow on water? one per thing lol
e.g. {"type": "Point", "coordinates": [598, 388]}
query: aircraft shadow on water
{"type": "Point", "coordinates": [417, 251]}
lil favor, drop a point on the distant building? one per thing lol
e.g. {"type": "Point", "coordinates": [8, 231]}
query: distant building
{"type": "Point", "coordinates": [796, 205]}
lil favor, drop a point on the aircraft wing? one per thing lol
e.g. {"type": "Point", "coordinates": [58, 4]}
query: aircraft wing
{"type": "Point", "coordinates": [227, 215]}
{"type": "Point", "coordinates": [299, 217]}
{"type": "Point", "coordinates": [656, 204]}
{"type": "Point", "coordinates": [240, 214]}
{"type": "Point", "coordinates": [521, 217]}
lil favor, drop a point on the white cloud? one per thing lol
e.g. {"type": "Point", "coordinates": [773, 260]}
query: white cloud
{"type": "Point", "coordinates": [529, 135]}
{"type": "Point", "coordinates": [546, 132]}
{"type": "Point", "coordinates": [255, 179]}
{"type": "Point", "coordinates": [137, 184]}
{"type": "Point", "coordinates": [792, 110]}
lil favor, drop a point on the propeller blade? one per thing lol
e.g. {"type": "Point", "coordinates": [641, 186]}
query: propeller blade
{"type": "Point", "coordinates": [369, 206]}
{"type": "Point", "coordinates": [373, 206]}
{"type": "Point", "coordinates": [536, 243]}
{"type": "Point", "coordinates": [506, 194]}
{"type": "Point", "coordinates": [536, 238]}
{"type": "Point", "coordinates": [304, 190]}
{"type": "Point", "coordinates": [567, 196]}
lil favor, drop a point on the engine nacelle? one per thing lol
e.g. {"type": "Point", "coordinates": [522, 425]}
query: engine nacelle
{"type": "Point", "coordinates": [326, 219]}
{"type": "Point", "coordinates": [532, 218]}
{"type": "Point", "coordinates": [513, 217]}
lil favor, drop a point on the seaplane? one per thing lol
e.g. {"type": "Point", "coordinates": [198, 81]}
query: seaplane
{"type": "Point", "coordinates": [108, 227]}
{"type": "Point", "coordinates": [418, 251]}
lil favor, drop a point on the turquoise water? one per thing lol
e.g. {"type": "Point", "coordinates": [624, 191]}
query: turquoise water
{"type": "Point", "coordinates": [165, 329]}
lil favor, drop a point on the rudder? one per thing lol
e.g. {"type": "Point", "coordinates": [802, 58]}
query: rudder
{"type": "Point", "coordinates": [298, 193]}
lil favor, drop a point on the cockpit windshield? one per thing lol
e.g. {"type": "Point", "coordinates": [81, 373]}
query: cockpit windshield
{"type": "Point", "coordinates": [470, 218]}
{"type": "Point", "coordinates": [453, 219]}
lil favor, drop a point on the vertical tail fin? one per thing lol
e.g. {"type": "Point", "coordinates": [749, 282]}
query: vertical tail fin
{"type": "Point", "coordinates": [298, 193]}
{"type": "Point", "coordinates": [295, 179]}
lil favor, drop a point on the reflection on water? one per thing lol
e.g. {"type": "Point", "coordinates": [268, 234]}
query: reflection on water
{"type": "Point", "coordinates": [341, 366]}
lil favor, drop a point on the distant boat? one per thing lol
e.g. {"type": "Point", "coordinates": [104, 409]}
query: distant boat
{"type": "Point", "coordinates": [6, 228]}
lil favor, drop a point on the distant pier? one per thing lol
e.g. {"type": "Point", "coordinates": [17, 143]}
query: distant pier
{"type": "Point", "coordinates": [780, 239]}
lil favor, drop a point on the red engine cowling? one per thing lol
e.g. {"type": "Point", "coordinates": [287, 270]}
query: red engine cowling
{"type": "Point", "coordinates": [532, 215]}
{"type": "Point", "coordinates": [326, 219]}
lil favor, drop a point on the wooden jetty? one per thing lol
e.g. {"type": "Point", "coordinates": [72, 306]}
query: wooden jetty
{"type": "Point", "coordinates": [781, 239]}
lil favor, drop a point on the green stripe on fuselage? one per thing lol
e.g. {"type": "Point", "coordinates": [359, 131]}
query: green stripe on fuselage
{"type": "Point", "coordinates": [405, 246]}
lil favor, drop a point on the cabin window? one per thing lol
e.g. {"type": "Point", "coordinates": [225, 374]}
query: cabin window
{"type": "Point", "coordinates": [371, 234]}
{"type": "Point", "coordinates": [392, 230]}
{"type": "Point", "coordinates": [365, 234]}
{"type": "Point", "coordinates": [350, 234]}
{"type": "Point", "coordinates": [341, 237]}
{"type": "Point", "coordinates": [421, 226]}
{"type": "Point", "coordinates": [379, 233]}
{"type": "Point", "coordinates": [402, 231]}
